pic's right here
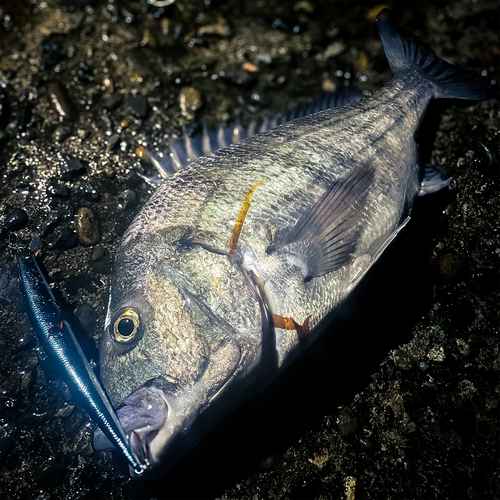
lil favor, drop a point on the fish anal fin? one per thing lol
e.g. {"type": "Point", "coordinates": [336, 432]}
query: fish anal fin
{"type": "Point", "coordinates": [371, 261]}
{"type": "Point", "coordinates": [327, 234]}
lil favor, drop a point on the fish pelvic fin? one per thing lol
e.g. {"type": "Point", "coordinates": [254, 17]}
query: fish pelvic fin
{"type": "Point", "coordinates": [326, 236]}
{"type": "Point", "coordinates": [406, 52]}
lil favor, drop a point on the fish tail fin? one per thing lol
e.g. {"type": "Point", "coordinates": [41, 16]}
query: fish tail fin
{"type": "Point", "coordinates": [406, 52]}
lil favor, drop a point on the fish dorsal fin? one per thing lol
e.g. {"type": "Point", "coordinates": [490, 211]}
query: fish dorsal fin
{"type": "Point", "coordinates": [326, 235]}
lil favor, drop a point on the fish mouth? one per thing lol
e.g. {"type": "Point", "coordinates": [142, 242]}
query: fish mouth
{"type": "Point", "coordinates": [143, 415]}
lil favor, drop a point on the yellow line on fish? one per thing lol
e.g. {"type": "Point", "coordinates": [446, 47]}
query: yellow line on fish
{"type": "Point", "coordinates": [238, 225]}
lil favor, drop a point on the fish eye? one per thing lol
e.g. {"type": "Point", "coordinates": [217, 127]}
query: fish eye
{"type": "Point", "coordinates": [126, 326]}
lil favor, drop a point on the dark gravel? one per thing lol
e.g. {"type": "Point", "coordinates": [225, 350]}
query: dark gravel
{"type": "Point", "coordinates": [401, 398]}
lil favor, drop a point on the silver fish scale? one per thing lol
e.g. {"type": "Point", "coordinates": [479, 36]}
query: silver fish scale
{"type": "Point", "coordinates": [298, 161]}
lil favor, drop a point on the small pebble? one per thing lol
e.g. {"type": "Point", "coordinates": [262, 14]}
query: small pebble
{"type": "Point", "coordinates": [450, 266]}
{"type": "Point", "coordinates": [65, 238]}
{"type": "Point", "coordinates": [87, 316]}
{"type": "Point", "coordinates": [463, 347]}
{"type": "Point", "coordinates": [70, 166]}
{"type": "Point", "coordinates": [108, 125]}
{"type": "Point", "coordinates": [97, 254]}
{"type": "Point", "coordinates": [61, 133]}
{"type": "Point", "coordinates": [190, 101]}
{"type": "Point", "coordinates": [16, 220]}
{"type": "Point", "coordinates": [61, 101]}
{"type": "Point", "coordinates": [127, 199]}
{"type": "Point", "coordinates": [250, 67]}
{"type": "Point", "coordinates": [89, 192]}
{"type": "Point", "coordinates": [264, 57]}
{"type": "Point", "coordinates": [73, 424]}
{"type": "Point", "coordinates": [87, 227]}
{"type": "Point", "coordinates": [113, 142]}
{"type": "Point", "coordinates": [334, 49]}
{"type": "Point", "coordinates": [436, 354]}
{"type": "Point", "coordinates": [403, 360]}
{"type": "Point", "coordinates": [347, 422]}
{"type": "Point", "coordinates": [57, 190]}
{"type": "Point", "coordinates": [221, 29]}
{"type": "Point", "coordinates": [64, 411]}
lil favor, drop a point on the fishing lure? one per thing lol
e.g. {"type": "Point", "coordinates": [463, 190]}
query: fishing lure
{"type": "Point", "coordinates": [58, 340]}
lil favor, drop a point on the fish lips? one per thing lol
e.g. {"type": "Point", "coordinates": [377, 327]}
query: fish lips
{"type": "Point", "coordinates": [143, 415]}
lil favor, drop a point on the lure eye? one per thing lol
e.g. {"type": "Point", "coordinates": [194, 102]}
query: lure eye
{"type": "Point", "coordinates": [126, 326]}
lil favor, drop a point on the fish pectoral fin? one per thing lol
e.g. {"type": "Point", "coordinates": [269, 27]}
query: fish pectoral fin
{"type": "Point", "coordinates": [326, 235]}
{"type": "Point", "coordinates": [433, 180]}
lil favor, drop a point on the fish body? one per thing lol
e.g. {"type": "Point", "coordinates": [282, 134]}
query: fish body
{"type": "Point", "coordinates": [321, 197]}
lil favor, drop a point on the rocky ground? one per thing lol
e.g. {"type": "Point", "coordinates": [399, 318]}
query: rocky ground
{"type": "Point", "coordinates": [401, 399]}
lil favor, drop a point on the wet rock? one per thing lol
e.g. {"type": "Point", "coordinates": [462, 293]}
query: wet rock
{"type": "Point", "coordinates": [463, 347]}
{"type": "Point", "coordinates": [65, 238]}
{"type": "Point", "coordinates": [51, 474]}
{"type": "Point", "coordinates": [73, 424]}
{"type": "Point", "coordinates": [87, 316]}
{"type": "Point", "coordinates": [87, 227]}
{"type": "Point", "coordinates": [436, 354]}
{"type": "Point", "coordinates": [61, 102]}
{"type": "Point", "coordinates": [97, 254]}
{"type": "Point", "coordinates": [127, 199]}
{"type": "Point", "coordinates": [190, 101]}
{"type": "Point", "coordinates": [138, 105]}
{"type": "Point", "coordinates": [407, 425]}
{"type": "Point", "coordinates": [16, 220]}
{"type": "Point", "coordinates": [89, 192]}
{"type": "Point", "coordinates": [58, 190]}
{"type": "Point", "coordinates": [70, 166]}
{"type": "Point", "coordinates": [403, 360]}
{"type": "Point", "coordinates": [112, 102]}
{"type": "Point", "coordinates": [347, 422]}
{"type": "Point", "coordinates": [65, 411]}
{"type": "Point", "coordinates": [450, 266]}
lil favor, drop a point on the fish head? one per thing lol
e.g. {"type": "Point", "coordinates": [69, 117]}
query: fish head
{"type": "Point", "coordinates": [169, 360]}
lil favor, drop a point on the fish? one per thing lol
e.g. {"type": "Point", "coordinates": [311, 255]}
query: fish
{"type": "Point", "coordinates": [58, 340]}
{"type": "Point", "coordinates": [239, 261]}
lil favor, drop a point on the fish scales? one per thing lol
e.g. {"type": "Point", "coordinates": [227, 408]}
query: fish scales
{"type": "Point", "coordinates": [328, 193]}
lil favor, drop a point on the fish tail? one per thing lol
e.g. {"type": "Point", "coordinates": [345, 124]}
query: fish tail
{"type": "Point", "coordinates": [406, 53]}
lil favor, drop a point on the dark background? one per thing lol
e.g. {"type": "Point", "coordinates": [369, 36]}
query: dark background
{"type": "Point", "coordinates": [401, 396]}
